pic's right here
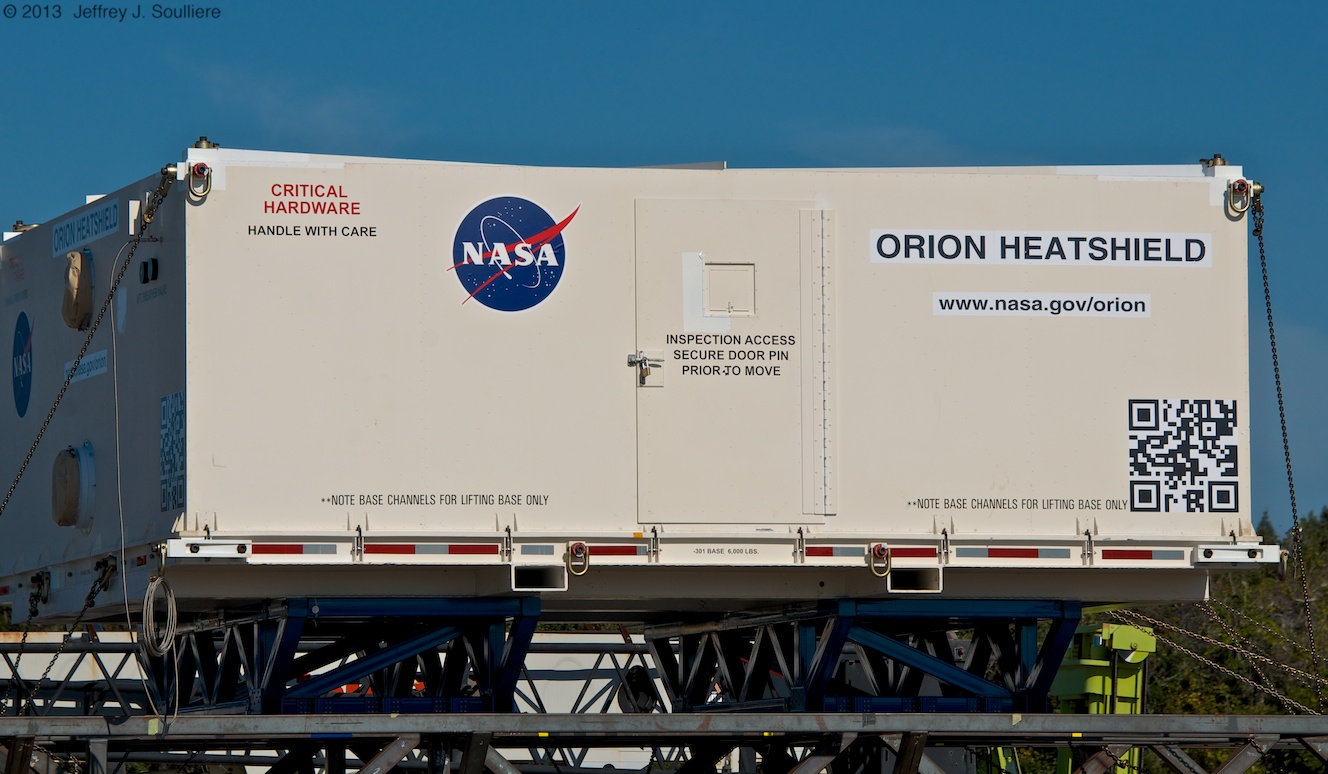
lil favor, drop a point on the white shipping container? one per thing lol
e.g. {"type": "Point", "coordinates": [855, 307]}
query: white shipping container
{"type": "Point", "coordinates": [634, 389]}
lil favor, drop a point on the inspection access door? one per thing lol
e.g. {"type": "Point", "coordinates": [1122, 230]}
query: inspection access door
{"type": "Point", "coordinates": [732, 379]}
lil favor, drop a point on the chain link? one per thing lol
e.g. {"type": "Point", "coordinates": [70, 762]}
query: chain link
{"type": "Point", "coordinates": [1304, 678]}
{"type": "Point", "coordinates": [1209, 662]}
{"type": "Point", "coordinates": [1261, 627]}
{"type": "Point", "coordinates": [102, 581]}
{"type": "Point", "coordinates": [18, 659]}
{"type": "Point", "coordinates": [1235, 638]}
{"type": "Point", "coordinates": [1257, 215]}
{"type": "Point", "coordinates": [149, 212]}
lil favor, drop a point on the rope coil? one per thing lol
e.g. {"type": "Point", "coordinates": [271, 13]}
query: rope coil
{"type": "Point", "coordinates": [158, 645]}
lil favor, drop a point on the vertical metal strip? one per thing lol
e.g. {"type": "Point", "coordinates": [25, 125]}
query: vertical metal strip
{"type": "Point", "coordinates": [824, 345]}
{"type": "Point", "coordinates": [809, 235]}
{"type": "Point", "coordinates": [817, 249]}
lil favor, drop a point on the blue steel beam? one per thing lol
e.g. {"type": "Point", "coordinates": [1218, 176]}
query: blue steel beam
{"type": "Point", "coordinates": [513, 657]}
{"type": "Point", "coordinates": [952, 609]}
{"type": "Point", "coordinates": [412, 607]}
{"type": "Point", "coordinates": [1055, 645]}
{"type": "Point", "coordinates": [958, 610]}
{"type": "Point", "coordinates": [384, 658]}
{"type": "Point", "coordinates": [926, 662]}
{"type": "Point", "coordinates": [1026, 633]}
{"type": "Point", "coordinates": [822, 669]}
{"type": "Point", "coordinates": [277, 669]}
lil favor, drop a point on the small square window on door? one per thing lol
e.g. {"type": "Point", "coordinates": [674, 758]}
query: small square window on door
{"type": "Point", "coordinates": [730, 290]}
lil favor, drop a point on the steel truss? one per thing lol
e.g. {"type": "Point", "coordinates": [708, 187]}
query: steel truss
{"type": "Point", "coordinates": [789, 743]}
{"type": "Point", "coordinates": [330, 685]}
{"type": "Point", "coordinates": [344, 655]}
{"type": "Point", "coordinates": [898, 655]}
{"type": "Point", "coordinates": [86, 677]}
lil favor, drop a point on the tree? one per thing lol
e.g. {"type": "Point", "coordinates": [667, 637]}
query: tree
{"type": "Point", "coordinates": [1256, 632]}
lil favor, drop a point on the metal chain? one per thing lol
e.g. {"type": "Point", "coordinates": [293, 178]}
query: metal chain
{"type": "Point", "coordinates": [1265, 689]}
{"type": "Point", "coordinates": [1266, 629]}
{"type": "Point", "coordinates": [1257, 215]}
{"type": "Point", "coordinates": [1304, 678]}
{"type": "Point", "coordinates": [149, 212]}
{"type": "Point", "coordinates": [18, 659]}
{"type": "Point", "coordinates": [67, 764]}
{"type": "Point", "coordinates": [1235, 638]}
{"type": "Point", "coordinates": [102, 581]}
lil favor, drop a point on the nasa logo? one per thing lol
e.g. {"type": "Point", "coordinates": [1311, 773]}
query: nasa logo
{"type": "Point", "coordinates": [22, 364]}
{"type": "Point", "coordinates": [509, 253]}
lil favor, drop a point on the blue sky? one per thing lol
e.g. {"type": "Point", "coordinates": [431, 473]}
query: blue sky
{"type": "Point", "coordinates": [92, 104]}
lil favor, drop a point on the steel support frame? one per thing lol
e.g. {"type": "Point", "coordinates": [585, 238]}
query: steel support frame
{"type": "Point", "coordinates": [615, 670]}
{"type": "Point", "coordinates": [339, 655]}
{"type": "Point", "coordinates": [789, 743]}
{"type": "Point", "coordinates": [907, 657]}
{"type": "Point", "coordinates": [106, 687]}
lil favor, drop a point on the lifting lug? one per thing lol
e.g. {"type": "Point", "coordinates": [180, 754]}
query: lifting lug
{"type": "Point", "coordinates": [1241, 193]}
{"type": "Point", "coordinates": [878, 560]}
{"type": "Point", "coordinates": [202, 173]}
{"type": "Point", "coordinates": [578, 558]}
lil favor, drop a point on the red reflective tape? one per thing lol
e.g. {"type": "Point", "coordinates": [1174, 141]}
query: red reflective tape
{"type": "Point", "coordinates": [278, 548]}
{"type": "Point", "coordinates": [614, 550]}
{"type": "Point", "coordinates": [913, 553]}
{"type": "Point", "coordinates": [820, 550]}
{"type": "Point", "coordinates": [1012, 553]}
{"type": "Point", "coordinates": [140, 561]}
{"type": "Point", "coordinates": [389, 548]}
{"type": "Point", "coordinates": [1127, 553]}
{"type": "Point", "coordinates": [472, 548]}
{"type": "Point", "coordinates": [4, 590]}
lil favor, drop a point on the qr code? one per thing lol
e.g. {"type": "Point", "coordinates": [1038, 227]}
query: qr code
{"type": "Point", "coordinates": [1183, 456]}
{"type": "Point", "coordinates": [172, 451]}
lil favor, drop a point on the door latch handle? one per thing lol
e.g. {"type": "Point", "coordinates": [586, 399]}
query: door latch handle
{"type": "Point", "coordinates": [642, 364]}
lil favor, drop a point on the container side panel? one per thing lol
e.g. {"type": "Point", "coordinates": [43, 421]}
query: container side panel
{"type": "Point", "coordinates": [130, 485]}
{"type": "Point", "coordinates": [1043, 355]}
{"type": "Point", "coordinates": [442, 353]}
